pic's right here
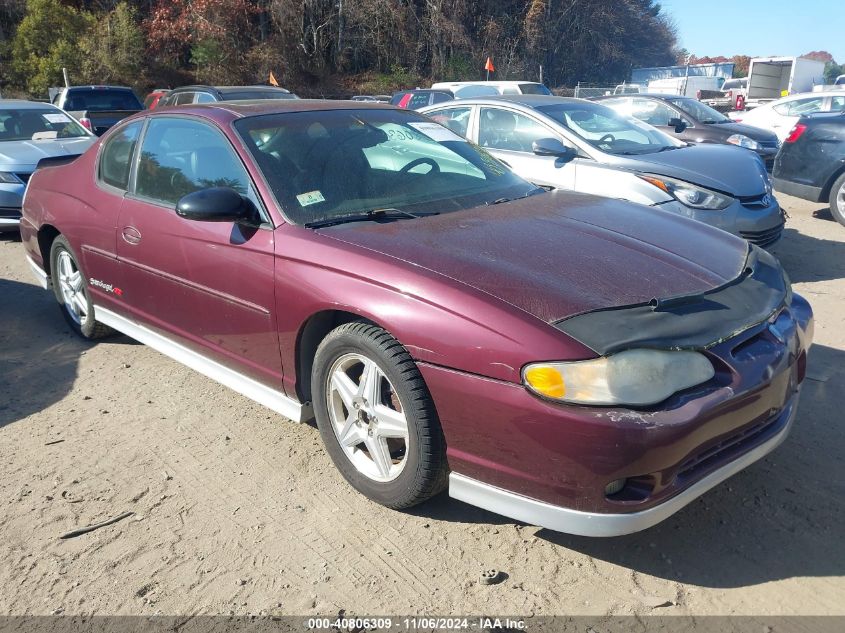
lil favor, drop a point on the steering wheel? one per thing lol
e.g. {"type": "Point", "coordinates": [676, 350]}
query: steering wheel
{"type": "Point", "coordinates": [607, 138]}
{"type": "Point", "coordinates": [435, 168]}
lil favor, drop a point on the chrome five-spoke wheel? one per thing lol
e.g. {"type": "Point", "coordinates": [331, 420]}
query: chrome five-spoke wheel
{"type": "Point", "coordinates": [376, 416]}
{"type": "Point", "coordinates": [72, 288]}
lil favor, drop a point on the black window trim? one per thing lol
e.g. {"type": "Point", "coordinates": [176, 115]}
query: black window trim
{"type": "Point", "coordinates": [266, 217]}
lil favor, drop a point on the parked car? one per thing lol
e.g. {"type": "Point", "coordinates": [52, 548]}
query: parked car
{"type": "Point", "coordinates": [452, 324]}
{"type": "Point", "coordinates": [585, 146]}
{"type": "Point", "coordinates": [416, 99]}
{"type": "Point", "coordinates": [31, 132]}
{"type": "Point", "coordinates": [780, 116]}
{"type": "Point", "coordinates": [694, 122]}
{"type": "Point", "coordinates": [97, 108]}
{"type": "Point", "coordinates": [811, 163]}
{"type": "Point", "coordinates": [154, 97]}
{"type": "Point", "coordinates": [211, 94]}
{"type": "Point", "coordinates": [464, 89]}
{"type": "Point", "coordinates": [730, 97]}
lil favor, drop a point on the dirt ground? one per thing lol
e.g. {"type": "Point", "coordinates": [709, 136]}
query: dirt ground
{"type": "Point", "coordinates": [240, 511]}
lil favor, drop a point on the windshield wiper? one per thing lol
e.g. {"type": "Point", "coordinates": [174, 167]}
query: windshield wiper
{"type": "Point", "coordinates": [366, 216]}
{"type": "Point", "coordinates": [533, 192]}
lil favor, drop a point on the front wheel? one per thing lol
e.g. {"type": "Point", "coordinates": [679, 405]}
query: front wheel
{"type": "Point", "coordinates": [837, 200]}
{"type": "Point", "coordinates": [376, 416]}
{"type": "Point", "coordinates": [71, 288]}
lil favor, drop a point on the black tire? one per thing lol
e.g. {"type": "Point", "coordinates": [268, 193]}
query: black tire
{"type": "Point", "coordinates": [425, 471]}
{"type": "Point", "coordinates": [837, 200]}
{"type": "Point", "coordinates": [87, 326]}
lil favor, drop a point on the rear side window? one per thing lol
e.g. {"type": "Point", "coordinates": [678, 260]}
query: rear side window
{"type": "Point", "coordinates": [179, 156]}
{"type": "Point", "coordinates": [204, 97]}
{"type": "Point", "coordinates": [456, 119]}
{"type": "Point", "coordinates": [419, 100]}
{"type": "Point", "coordinates": [116, 158]}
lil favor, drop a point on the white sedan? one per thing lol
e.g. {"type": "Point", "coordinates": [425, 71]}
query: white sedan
{"type": "Point", "coordinates": [781, 115]}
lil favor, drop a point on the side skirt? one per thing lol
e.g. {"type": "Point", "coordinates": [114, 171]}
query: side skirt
{"type": "Point", "coordinates": [252, 389]}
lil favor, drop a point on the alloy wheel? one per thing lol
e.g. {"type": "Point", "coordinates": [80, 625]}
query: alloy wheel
{"type": "Point", "coordinates": [72, 288]}
{"type": "Point", "coordinates": [367, 417]}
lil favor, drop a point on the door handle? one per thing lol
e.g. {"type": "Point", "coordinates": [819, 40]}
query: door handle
{"type": "Point", "coordinates": [131, 235]}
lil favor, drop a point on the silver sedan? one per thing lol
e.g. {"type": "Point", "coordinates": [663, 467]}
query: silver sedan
{"type": "Point", "coordinates": [583, 146]}
{"type": "Point", "coordinates": [29, 132]}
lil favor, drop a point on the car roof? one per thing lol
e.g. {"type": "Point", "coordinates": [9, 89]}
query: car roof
{"type": "Point", "coordinates": [530, 101]}
{"type": "Point", "coordinates": [230, 89]}
{"type": "Point", "coordinates": [23, 104]}
{"type": "Point", "coordinates": [98, 87]}
{"type": "Point", "coordinates": [225, 111]}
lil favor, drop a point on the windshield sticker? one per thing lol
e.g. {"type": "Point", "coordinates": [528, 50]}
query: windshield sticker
{"type": "Point", "coordinates": [49, 135]}
{"type": "Point", "coordinates": [56, 117]}
{"type": "Point", "coordinates": [436, 132]}
{"type": "Point", "coordinates": [311, 197]}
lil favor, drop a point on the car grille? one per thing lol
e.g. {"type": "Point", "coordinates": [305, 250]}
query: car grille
{"type": "Point", "coordinates": [763, 238]}
{"type": "Point", "coordinates": [768, 144]}
{"type": "Point", "coordinates": [763, 201]}
{"type": "Point", "coordinates": [743, 440]}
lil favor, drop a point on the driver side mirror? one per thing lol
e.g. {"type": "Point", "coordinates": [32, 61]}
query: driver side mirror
{"type": "Point", "coordinates": [215, 204]}
{"type": "Point", "coordinates": [678, 123]}
{"type": "Point", "coordinates": [552, 147]}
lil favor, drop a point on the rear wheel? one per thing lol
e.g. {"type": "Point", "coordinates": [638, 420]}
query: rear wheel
{"type": "Point", "coordinates": [71, 288]}
{"type": "Point", "coordinates": [376, 417]}
{"type": "Point", "coordinates": [837, 200]}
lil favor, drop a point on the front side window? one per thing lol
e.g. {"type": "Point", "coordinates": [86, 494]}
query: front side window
{"type": "Point", "coordinates": [38, 124]}
{"type": "Point", "coordinates": [180, 156]}
{"type": "Point", "coordinates": [700, 111]}
{"type": "Point", "coordinates": [204, 97]}
{"type": "Point", "coordinates": [608, 130]}
{"type": "Point", "coordinates": [419, 100]}
{"type": "Point", "coordinates": [652, 111]}
{"type": "Point", "coordinates": [328, 165]}
{"type": "Point", "coordinates": [456, 119]}
{"type": "Point", "coordinates": [116, 158]}
{"type": "Point", "coordinates": [800, 107]}
{"type": "Point", "coordinates": [506, 130]}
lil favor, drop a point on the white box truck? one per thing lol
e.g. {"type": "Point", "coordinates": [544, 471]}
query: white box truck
{"type": "Point", "coordinates": [771, 78]}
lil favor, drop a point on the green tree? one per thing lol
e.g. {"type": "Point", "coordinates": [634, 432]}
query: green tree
{"type": "Point", "coordinates": [832, 70]}
{"type": "Point", "coordinates": [114, 47]}
{"type": "Point", "coordinates": [47, 40]}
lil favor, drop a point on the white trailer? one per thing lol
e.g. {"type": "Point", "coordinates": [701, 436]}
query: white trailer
{"type": "Point", "coordinates": [685, 86]}
{"type": "Point", "coordinates": [771, 78]}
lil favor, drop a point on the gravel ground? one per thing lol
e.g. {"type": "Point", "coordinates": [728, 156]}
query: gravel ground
{"type": "Point", "coordinates": [239, 511]}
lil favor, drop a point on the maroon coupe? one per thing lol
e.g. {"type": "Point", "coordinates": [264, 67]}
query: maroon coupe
{"type": "Point", "coordinates": [575, 362]}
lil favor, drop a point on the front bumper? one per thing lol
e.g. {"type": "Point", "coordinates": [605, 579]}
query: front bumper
{"type": "Point", "coordinates": [549, 464]}
{"type": "Point", "coordinates": [759, 219]}
{"type": "Point", "coordinates": [11, 198]}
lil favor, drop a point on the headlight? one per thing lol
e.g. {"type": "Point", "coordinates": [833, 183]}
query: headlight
{"type": "Point", "coordinates": [743, 141]}
{"type": "Point", "coordinates": [7, 177]}
{"type": "Point", "coordinates": [689, 194]}
{"type": "Point", "coordinates": [634, 377]}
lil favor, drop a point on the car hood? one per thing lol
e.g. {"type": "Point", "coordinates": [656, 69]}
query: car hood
{"type": "Point", "coordinates": [732, 170]}
{"type": "Point", "coordinates": [756, 133]}
{"type": "Point", "coordinates": [26, 154]}
{"type": "Point", "coordinates": [559, 254]}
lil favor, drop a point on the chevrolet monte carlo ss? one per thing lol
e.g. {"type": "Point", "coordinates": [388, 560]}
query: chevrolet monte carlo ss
{"type": "Point", "coordinates": [575, 362]}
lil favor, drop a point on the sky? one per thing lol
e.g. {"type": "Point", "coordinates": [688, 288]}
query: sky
{"type": "Point", "coordinates": [759, 28]}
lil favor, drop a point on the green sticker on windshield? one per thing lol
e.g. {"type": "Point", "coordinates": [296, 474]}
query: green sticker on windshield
{"type": "Point", "coordinates": [311, 197]}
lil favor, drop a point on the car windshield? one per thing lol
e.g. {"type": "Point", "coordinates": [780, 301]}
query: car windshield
{"type": "Point", "coordinates": [38, 124]}
{"type": "Point", "coordinates": [336, 164]}
{"type": "Point", "coordinates": [700, 111]}
{"type": "Point", "coordinates": [607, 130]}
{"type": "Point", "coordinates": [101, 99]}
